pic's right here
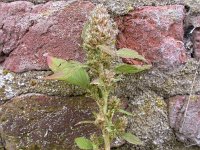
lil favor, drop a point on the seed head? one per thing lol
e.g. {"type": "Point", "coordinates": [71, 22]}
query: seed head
{"type": "Point", "coordinates": [100, 29]}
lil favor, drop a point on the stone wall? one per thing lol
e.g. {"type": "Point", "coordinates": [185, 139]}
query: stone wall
{"type": "Point", "coordinates": [40, 114]}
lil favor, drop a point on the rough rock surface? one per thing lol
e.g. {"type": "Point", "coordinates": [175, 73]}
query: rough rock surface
{"type": "Point", "coordinates": [151, 121]}
{"type": "Point", "coordinates": [33, 1]}
{"type": "Point", "coordinates": [194, 20]}
{"type": "Point", "coordinates": [30, 32]}
{"type": "Point", "coordinates": [44, 122]}
{"type": "Point", "coordinates": [156, 33]}
{"type": "Point", "coordinates": [185, 119]}
{"type": "Point", "coordinates": [196, 42]}
{"type": "Point", "coordinates": [147, 94]}
{"type": "Point", "coordinates": [120, 7]}
{"type": "Point", "coordinates": [165, 84]}
{"type": "Point", "coordinates": [193, 5]}
{"type": "Point", "coordinates": [12, 85]}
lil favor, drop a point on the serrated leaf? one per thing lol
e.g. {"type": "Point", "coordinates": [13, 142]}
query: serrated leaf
{"type": "Point", "coordinates": [84, 143]}
{"type": "Point", "coordinates": [129, 53]}
{"type": "Point", "coordinates": [126, 68]}
{"type": "Point", "coordinates": [107, 50]}
{"type": "Point", "coordinates": [132, 139]}
{"type": "Point", "coordinates": [125, 112]}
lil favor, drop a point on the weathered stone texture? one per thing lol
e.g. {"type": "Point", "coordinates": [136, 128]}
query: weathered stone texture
{"type": "Point", "coordinates": [156, 33]}
{"type": "Point", "coordinates": [29, 32]}
{"type": "Point", "coordinates": [194, 5]}
{"type": "Point", "coordinates": [44, 122]}
{"type": "Point", "coordinates": [151, 122]}
{"type": "Point", "coordinates": [194, 20]}
{"type": "Point", "coordinates": [11, 29]}
{"type": "Point", "coordinates": [165, 84]}
{"type": "Point", "coordinates": [33, 1]}
{"type": "Point", "coordinates": [12, 85]}
{"type": "Point", "coordinates": [196, 42]}
{"type": "Point", "coordinates": [185, 119]}
{"type": "Point", "coordinates": [147, 94]}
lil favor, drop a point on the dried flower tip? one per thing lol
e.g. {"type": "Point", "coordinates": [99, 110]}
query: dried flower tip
{"type": "Point", "coordinates": [100, 29]}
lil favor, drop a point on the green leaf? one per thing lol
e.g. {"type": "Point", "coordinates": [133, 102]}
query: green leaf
{"type": "Point", "coordinates": [76, 76]}
{"type": "Point", "coordinates": [129, 53]}
{"type": "Point", "coordinates": [55, 64]}
{"type": "Point", "coordinates": [126, 68]}
{"type": "Point", "coordinates": [72, 72]}
{"type": "Point", "coordinates": [125, 112]}
{"type": "Point", "coordinates": [107, 50]}
{"type": "Point", "coordinates": [84, 143]}
{"type": "Point", "coordinates": [79, 77]}
{"type": "Point", "coordinates": [132, 139]}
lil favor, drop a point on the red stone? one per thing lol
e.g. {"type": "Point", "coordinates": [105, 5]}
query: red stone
{"type": "Point", "coordinates": [156, 33]}
{"type": "Point", "coordinates": [184, 118]}
{"type": "Point", "coordinates": [54, 28]}
{"type": "Point", "coordinates": [11, 27]}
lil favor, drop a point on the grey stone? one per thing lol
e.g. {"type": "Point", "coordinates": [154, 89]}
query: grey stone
{"type": "Point", "coordinates": [12, 85]}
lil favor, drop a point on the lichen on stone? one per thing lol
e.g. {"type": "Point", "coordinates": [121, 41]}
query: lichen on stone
{"type": "Point", "coordinates": [47, 122]}
{"type": "Point", "coordinates": [12, 85]}
{"type": "Point", "coordinates": [6, 91]}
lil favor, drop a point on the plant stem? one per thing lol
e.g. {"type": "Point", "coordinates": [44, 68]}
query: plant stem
{"type": "Point", "coordinates": [106, 137]}
{"type": "Point", "coordinates": [106, 134]}
{"type": "Point", "coordinates": [105, 106]}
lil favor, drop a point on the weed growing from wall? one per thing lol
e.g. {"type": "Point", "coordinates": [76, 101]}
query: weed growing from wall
{"type": "Point", "coordinates": [98, 76]}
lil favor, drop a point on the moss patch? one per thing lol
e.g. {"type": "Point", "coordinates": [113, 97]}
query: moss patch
{"type": "Point", "coordinates": [37, 121]}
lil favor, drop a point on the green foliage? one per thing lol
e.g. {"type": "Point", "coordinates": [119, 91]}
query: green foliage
{"type": "Point", "coordinates": [132, 139]}
{"type": "Point", "coordinates": [125, 112]}
{"type": "Point", "coordinates": [84, 143]}
{"type": "Point", "coordinates": [129, 53]}
{"type": "Point", "coordinates": [126, 68]}
{"type": "Point", "coordinates": [99, 76]}
{"type": "Point", "coordinates": [71, 71]}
